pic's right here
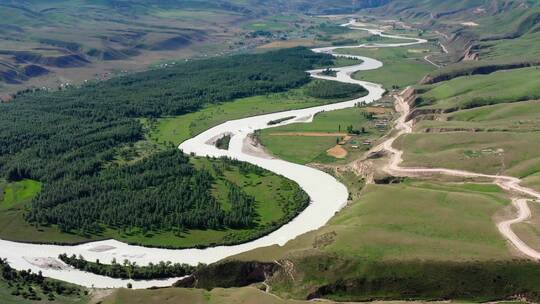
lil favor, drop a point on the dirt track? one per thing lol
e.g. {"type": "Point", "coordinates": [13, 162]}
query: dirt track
{"type": "Point", "coordinates": [520, 194]}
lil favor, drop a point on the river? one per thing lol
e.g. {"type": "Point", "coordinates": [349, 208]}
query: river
{"type": "Point", "coordinates": [327, 194]}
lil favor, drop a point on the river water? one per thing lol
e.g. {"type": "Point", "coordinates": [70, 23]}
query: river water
{"type": "Point", "coordinates": [327, 195]}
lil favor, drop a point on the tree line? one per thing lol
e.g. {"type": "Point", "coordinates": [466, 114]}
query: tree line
{"type": "Point", "coordinates": [130, 270]}
{"type": "Point", "coordinates": [330, 90]}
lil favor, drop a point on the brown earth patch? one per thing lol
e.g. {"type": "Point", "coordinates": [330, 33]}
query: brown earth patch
{"type": "Point", "coordinates": [337, 151]}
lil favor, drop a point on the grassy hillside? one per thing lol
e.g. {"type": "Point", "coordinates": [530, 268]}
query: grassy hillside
{"type": "Point", "coordinates": [480, 90]}
{"type": "Point", "coordinates": [415, 240]}
{"type": "Point", "coordinates": [488, 124]}
{"type": "Point", "coordinates": [402, 66]}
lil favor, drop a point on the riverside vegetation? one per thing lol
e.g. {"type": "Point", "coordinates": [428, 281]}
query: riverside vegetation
{"type": "Point", "coordinates": [26, 285]}
{"type": "Point", "coordinates": [128, 270]}
{"type": "Point", "coordinates": [69, 141]}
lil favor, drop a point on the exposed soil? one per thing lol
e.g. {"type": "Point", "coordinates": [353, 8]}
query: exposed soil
{"type": "Point", "coordinates": [337, 151]}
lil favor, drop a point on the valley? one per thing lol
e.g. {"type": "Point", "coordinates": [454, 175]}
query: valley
{"type": "Point", "coordinates": [393, 161]}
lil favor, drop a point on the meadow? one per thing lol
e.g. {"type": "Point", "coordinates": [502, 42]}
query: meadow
{"type": "Point", "coordinates": [485, 123]}
{"type": "Point", "coordinates": [177, 129]}
{"type": "Point", "coordinates": [308, 142]}
{"type": "Point", "coordinates": [516, 117]}
{"type": "Point", "coordinates": [481, 90]}
{"type": "Point", "coordinates": [402, 66]}
{"type": "Point", "coordinates": [509, 153]}
{"type": "Point", "coordinates": [418, 233]}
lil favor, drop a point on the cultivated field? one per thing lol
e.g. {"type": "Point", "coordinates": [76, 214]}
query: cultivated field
{"type": "Point", "coordinates": [309, 142]}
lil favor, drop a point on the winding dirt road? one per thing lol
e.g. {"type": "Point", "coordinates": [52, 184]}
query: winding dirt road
{"type": "Point", "coordinates": [520, 194]}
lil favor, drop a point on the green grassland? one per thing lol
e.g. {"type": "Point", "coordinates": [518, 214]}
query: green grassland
{"type": "Point", "coordinates": [479, 90]}
{"type": "Point", "coordinates": [517, 117]}
{"type": "Point", "coordinates": [402, 66]}
{"type": "Point", "coordinates": [525, 46]}
{"type": "Point", "coordinates": [12, 195]}
{"type": "Point", "coordinates": [417, 233]}
{"type": "Point", "coordinates": [489, 124]}
{"type": "Point", "coordinates": [273, 197]}
{"type": "Point", "coordinates": [306, 149]}
{"type": "Point", "coordinates": [246, 295]}
{"type": "Point", "coordinates": [179, 128]}
{"type": "Point", "coordinates": [409, 221]}
{"type": "Point", "coordinates": [511, 153]}
{"type": "Point", "coordinates": [265, 26]}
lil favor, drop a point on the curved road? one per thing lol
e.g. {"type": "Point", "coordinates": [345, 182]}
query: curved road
{"type": "Point", "coordinates": [508, 183]}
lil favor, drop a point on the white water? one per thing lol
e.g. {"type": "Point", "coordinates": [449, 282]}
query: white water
{"type": "Point", "coordinates": [327, 195]}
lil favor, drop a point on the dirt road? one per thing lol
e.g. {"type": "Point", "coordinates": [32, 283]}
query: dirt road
{"type": "Point", "coordinates": [520, 195]}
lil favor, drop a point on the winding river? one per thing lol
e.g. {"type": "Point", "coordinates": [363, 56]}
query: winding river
{"type": "Point", "coordinates": [327, 195]}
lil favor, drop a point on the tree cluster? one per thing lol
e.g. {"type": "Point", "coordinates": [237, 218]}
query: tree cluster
{"type": "Point", "coordinates": [33, 286]}
{"type": "Point", "coordinates": [331, 90]}
{"type": "Point", "coordinates": [163, 192]}
{"type": "Point", "coordinates": [129, 270]}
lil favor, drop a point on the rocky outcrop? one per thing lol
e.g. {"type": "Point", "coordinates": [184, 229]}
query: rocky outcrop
{"type": "Point", "coordinates": [229, 274]}
{"type": "Point", "coordinates": [416, 114]}
{"type": "Point", "coordinates": [434, 280]}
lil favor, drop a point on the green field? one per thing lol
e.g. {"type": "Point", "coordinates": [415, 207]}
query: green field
{"type": "Point", "coordinates": [511, 153]}
{"type": "Point", "coordinates": [14, 195]}
{"type": "Point", "coordinates": [265, 26]}
{"type": "Point", "coordinates": [517, 117]}
{"type": "Point", "coordinates": [177, 129]}
{"type": "Point", "coordinates": [480, 90]}
{"type": "Point", "coordinates": [409, 221]}
{"type": "Point", "coordinates": [416, 233]}
{"type": "Point", "coordinates": [306, 149]}
{"type": "Point", "coordinates": [245, 295]}
{"type": "Point", "coordinates": [490, 126]}
{"type": "Point", "coordinates": [402, 66]}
